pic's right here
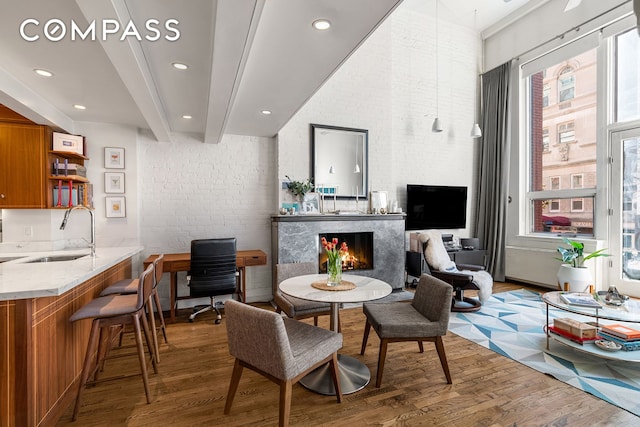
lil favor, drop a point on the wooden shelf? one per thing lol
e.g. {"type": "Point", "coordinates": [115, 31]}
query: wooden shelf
{"type": "Point", "coordinates": [77, 178]}
{"type": "Point", "coordinates": [68, 154]}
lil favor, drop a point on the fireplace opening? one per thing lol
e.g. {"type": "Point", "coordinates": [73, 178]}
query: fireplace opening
{"type": "Point", "coordinates": [360, 255]}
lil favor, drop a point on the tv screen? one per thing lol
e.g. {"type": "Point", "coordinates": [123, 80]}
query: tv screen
{"type": "Point", "coordinates": [436, 206]}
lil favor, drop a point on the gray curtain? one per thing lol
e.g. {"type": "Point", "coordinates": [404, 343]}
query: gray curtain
{"type": "Point", "coordinates": [494, 168]}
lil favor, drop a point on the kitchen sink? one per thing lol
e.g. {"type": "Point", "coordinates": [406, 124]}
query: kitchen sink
{"type": "Point", "coordinates": [55, 258]}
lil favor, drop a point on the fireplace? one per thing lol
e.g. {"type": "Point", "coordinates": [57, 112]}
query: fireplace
{"type": "Point", "coordinates": [360, 255]}
{"type": "Point", "coordinates": [296, 238]}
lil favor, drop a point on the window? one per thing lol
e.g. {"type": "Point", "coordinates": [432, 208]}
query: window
{"type": "Point", "coordinates": [566, 84]}
{"type": "Point", "coordinates": [554, 208]}
{"type": "Point", "coordinates": [546, 89]}
{"type": "Point", "coordinates": [576, 181]}
{"type": "Point", "coordinates": [627, 90]}
{"type": "Point", "coordinates": [566, 133]}
{"type": "Point", "coordinates": [545, 140]}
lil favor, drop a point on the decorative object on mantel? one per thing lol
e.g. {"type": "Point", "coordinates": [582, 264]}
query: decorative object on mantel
{"type": "Point", "coordinates": [299, 188]}
{"type": "Point", "coordinates": [334, 260]}
{"type": "Point", "coordinates": [379, 202]}
{"type": "Point", "coordinates": [573, 275]}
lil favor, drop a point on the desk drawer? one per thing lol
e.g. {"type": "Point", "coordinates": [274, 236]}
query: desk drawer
{"type": "Point", "coordinates": [182, 265]}
{"type": "Point", "coordinates": [255, 260]}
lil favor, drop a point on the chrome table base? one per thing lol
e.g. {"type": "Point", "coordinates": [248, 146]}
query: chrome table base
{"type": "Point", "coordinates": [354, 375]}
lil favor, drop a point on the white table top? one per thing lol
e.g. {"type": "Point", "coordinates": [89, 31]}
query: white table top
{"type": "Point", "coordinates": [367, 289]}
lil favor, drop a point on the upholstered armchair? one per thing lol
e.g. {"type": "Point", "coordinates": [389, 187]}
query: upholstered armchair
{"type": "Point", "coordinates": [283, 350]}
{"type": "Point", "coordinates": [461, 276]}
{"type": "Point", "coordinates": [426, 318]}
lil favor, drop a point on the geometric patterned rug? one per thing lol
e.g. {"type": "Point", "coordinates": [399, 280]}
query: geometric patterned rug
{"type": "Point", "coordinates": [511, 324]}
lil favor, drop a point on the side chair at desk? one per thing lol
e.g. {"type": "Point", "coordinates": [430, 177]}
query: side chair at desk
{"type": "Point", "coordinates": [173, 263]}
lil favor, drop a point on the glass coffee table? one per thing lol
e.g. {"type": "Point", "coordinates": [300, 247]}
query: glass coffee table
{"type": "Point", "coordinates": [628, 312]}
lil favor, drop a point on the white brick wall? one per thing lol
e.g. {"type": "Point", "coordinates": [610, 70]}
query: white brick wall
{"type": "Point", "coordinates": [388, 86]}
{"type": "Point", "coordinates": [193, 190]}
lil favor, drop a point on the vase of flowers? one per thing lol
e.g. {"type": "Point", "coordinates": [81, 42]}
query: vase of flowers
{"type": "Point", "coordinates": [334, 260]}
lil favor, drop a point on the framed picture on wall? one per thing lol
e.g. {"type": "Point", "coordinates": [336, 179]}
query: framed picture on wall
{"type": "Point", "coordinates": [114, 182]}
{"type": "Point", "coordinates": [113, 158]}
{"type": "Point", "coordinates": [115, 207]}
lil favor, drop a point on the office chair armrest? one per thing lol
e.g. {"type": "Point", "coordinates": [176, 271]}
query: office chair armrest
{"type": "Point", "coordinates": [471, 267]}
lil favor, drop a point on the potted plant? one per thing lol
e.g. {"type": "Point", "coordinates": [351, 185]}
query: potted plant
{"type": "Point", "coordinates": [299, 188]}
{"type": "Point", "coordinates": [573, 275]}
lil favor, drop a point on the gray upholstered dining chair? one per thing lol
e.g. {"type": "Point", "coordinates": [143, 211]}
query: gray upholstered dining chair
{"type": "Point", "coordinates": [426, 318]}
{"type": "Point", "coordinates": [297, 308]}
{"type": "Point", "coordinates": [283, 350]}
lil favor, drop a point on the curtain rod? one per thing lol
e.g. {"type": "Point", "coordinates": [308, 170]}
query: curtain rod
{"type": "Point", "coordinates": [575, 28]}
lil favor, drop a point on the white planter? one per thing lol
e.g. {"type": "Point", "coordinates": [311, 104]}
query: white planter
{"type": "Point", "coordinates": [574, 279]}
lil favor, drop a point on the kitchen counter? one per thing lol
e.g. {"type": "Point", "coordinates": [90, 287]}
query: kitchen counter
{"type": "Point", "coordinates": [42, 351]}
{"type": "Point", "coordinates": [20, 278]}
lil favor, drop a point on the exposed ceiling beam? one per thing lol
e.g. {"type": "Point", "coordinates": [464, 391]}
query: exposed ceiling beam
{"type": "Point", "coordinates": [128, 59]}
{"type": "Point", "coordinates": [235, 28]}
{"type": "Point", "coordinates": [24, 101]}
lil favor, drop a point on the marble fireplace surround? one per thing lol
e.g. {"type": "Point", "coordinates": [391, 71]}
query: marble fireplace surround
{"type": "Point", "coordinates": [294, 238]}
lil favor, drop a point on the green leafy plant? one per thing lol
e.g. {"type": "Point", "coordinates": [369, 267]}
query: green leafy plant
{"type": "Point", "coordinates": [299, 188]}
{"type": "Point", "coordinates": [574, 254]}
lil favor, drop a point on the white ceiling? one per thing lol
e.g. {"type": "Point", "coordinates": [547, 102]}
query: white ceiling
{"type": "Point", "coordinates": [244, 56]}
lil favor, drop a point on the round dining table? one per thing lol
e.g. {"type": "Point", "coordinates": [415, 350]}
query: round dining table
{"type": "Point", "coordinates": [354, 375]}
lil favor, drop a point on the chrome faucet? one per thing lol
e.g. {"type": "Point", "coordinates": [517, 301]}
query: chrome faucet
{"type": "Point", "coordinates": [92, 244]}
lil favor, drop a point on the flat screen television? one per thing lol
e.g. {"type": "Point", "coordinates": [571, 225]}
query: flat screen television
{"type": "Point", "coordinates": [436, 206]}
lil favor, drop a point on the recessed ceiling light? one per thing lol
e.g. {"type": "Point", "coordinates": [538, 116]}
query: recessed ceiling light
{"type": "Point", "coordinates": [43, 73]}
{"type": "Point", "coordinates": [79, 107]}
{"type": "Point", "coordinates": [321, 24]}
{"type": "Point", "coordinates": [186, 116]}
{"type": "Point", "coordinates": [265, 112]}
{"type": "Point", "coordinates": [180, 66]}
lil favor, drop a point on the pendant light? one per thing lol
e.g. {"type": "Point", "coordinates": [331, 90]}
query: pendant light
{"type": "Point", "coordinates": [436, 127]}
{"type": "Point", "coordinates": [332, 170]}
{"type": "Point", "coordinates": [476, 132]}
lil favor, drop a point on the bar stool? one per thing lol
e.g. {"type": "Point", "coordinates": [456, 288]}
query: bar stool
{"type": "Point", "coordinates": [130, 286]}
{"type": "Point", "coordinates": [110, 311]}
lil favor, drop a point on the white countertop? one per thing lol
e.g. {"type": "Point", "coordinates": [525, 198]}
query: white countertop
{"type": "Point", "coordinates": [21, 279]}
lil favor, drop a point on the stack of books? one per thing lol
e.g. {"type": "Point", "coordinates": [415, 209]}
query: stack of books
{"type": "Point", "coordinates": [627, 337]}
{"type": "Point", "coordinates": [574, 330]}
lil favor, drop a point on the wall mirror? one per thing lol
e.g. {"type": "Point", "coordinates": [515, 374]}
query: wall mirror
{"type": "Point", "coordinates": [339, 161]}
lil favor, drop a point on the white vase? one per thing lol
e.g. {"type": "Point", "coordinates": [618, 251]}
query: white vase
{"type": "Point", "coordinates": [574, 279]}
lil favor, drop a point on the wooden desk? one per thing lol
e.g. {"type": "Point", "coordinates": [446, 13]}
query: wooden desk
{"type": "Point", "coordinates": [182, 262]}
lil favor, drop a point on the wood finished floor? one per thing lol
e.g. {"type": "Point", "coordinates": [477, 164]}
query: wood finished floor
{"type": "Point", "coordinates": [488, 389]}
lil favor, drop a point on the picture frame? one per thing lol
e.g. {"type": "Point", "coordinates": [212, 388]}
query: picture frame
{"type": "Point", "coordinates": [114, 182]}
{"type": "Point", "coordinates": [310, 203]}
{"type": "Point", "coordinates": [114, 158]}
{"type": "Point", "coordinates": [115, 207]}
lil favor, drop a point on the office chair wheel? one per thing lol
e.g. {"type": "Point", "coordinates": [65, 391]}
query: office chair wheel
{"type": "Point", "coordinates": [217, 322]}
{"type": "Point", "coordinates": [190, 320]}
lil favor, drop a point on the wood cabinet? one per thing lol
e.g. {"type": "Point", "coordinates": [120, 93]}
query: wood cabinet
{"type": "Point", "coordinates": [23, 165]}
{"type": "Point", "coordinates": [42, 352]}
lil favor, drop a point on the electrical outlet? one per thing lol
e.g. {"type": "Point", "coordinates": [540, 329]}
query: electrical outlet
{"type": "Point", "coordinates": [28, 231]}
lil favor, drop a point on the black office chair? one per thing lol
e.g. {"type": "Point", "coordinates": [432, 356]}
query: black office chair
{"type": "Point", "coordinates": [213, 272]}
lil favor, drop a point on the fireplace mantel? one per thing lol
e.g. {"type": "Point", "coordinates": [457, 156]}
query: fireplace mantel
{"type": "Point", "coordinates": [294, 238]}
